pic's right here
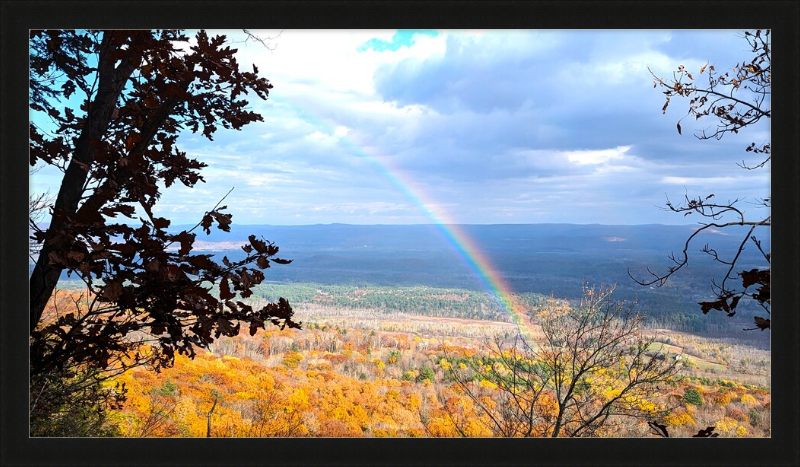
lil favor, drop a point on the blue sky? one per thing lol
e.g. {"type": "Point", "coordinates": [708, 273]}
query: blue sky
{"type": "Point", "coordinates": [401, 127]}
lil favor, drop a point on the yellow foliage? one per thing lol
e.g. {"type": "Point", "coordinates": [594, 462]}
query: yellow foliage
{"type": "Point", "coordinates": [644, 405]}
{"type": "Point", "coordinates": [726, 425]}
{"type": "Point", "coordinates": [611, 393]}
{"type": "Point", "coordinates": [292, 359]}
{"type": "Point", "coordinates": [475, 429]}
{"type": "Point", "coordinates": [500, 369]}
{"type": "Point", "coordinates": [243, 395]}
{"type": "Point", "coordinates": [441, 427]}
{"type": "Point", "coordinates": [749, 400]}
{"type": "Point", "coordinates": [678, 419]}
{"type": "Point", "coordinates": [488, 384]}
{"type": "Point", "coordinates": [414, 400]}
{"type": "Point", "coordinates": [741, 431]}
{"type": "Point", "coordinates": [547, 405]}
{"type": "Point", "coordinates": [298, 400]}
{"type": "Point", "coordinates": [392, 383]}
{"type": "Point", "coordinates": [722, 399]}
{"type": "Point", "coordinates": [265, 381]}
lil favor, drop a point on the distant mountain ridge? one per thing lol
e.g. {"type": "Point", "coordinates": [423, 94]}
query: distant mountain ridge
{"type": "Point", "coordinates": [549, 259]}
{"type": "Point", "coordinates": [555, 237]}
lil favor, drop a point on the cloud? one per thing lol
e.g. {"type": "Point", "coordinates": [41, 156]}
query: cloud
{"type": "Point", "coordinates": [590, 157]}
{"type": "Point", "coordinates": [479, 72]}
{"type": "Point", "coordinates": [523, 126]}
{"type": "Point", "coordinates": [482, 126]}
{"type": "Point", "coordinates": [513, 70]}
{"type": "Point", "coordinates": [698, 181]}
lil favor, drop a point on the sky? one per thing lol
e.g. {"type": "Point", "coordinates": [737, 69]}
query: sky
{"type": "Point", "coordinates": [468, 127]}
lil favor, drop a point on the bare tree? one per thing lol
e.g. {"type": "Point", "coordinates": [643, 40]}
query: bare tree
{"type": "Point", "coordinates": [590, 371]}
{"type": "Point", "coordinates": [737, 99]}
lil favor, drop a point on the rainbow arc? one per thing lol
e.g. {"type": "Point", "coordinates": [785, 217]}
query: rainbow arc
{"type": "Point", "coordinates": [453, 234]}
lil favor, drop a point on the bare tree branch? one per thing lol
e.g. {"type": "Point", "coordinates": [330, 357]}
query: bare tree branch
{"type": "Point", "coordinates": [719, 99]}
{"type": "Point", "coordinates": [559, 384]}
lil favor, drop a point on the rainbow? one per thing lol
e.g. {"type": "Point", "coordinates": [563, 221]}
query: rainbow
{"type": "Point", "coordinates": [453, 234]}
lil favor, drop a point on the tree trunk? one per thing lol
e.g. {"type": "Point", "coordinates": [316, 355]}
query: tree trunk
{"type": "Point", "coordinates": [559, 420]}
{"type": "Point", "coordinates": [208, 427]}
{"type": "Point", "coordinates": [111, 82]}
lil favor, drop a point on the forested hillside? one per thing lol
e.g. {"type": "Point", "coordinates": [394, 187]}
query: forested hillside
{"type": "Point", "coordinates": [382, 361]}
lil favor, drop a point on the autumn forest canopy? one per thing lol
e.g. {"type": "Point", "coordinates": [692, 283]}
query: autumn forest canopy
{"type": "Point", "coordinates": [146, 323]}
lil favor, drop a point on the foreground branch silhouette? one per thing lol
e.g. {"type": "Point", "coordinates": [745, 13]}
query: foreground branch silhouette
{"type": "Point", "coordinates": [738, 98]}
{"type": "Point", "coordinates": [107, 110]}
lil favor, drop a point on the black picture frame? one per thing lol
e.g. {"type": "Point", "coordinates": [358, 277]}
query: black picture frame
{"type": "Point", "coordinates": [783, 17]}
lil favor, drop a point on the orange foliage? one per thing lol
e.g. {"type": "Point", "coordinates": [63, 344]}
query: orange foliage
{"type": "Point", "coordinates": [320, 393]}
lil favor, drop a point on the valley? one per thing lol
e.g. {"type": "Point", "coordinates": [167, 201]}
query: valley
{"type": "Point", "coordinates": [383, 370]}
{"type": "Point", "coordinates": [393, 320]}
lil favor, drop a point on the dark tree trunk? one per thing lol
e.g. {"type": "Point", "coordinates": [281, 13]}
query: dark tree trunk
{"type": "Point", "coordinates": [111, 82]}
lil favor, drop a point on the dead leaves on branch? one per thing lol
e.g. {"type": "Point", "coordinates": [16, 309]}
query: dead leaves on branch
{"type": "Point", "coordinates": [174, 289]}
{"type": "Point", "coordinates": [727, 301]}
{"type": "Point", "coordinates": [761, 323]}
{"type": "Point", "coordinates": [718, 98]}
{"type": "Point", "coordinates": [661, 431]}
{"type": "Point", "coordinates": [707, 433]}
{"type": "Point", "coordinates": [223, 220]}
{"type": "Point", "coordinates": [143, 279]}
{"type": "Point", "coordinates": [736, 98]}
